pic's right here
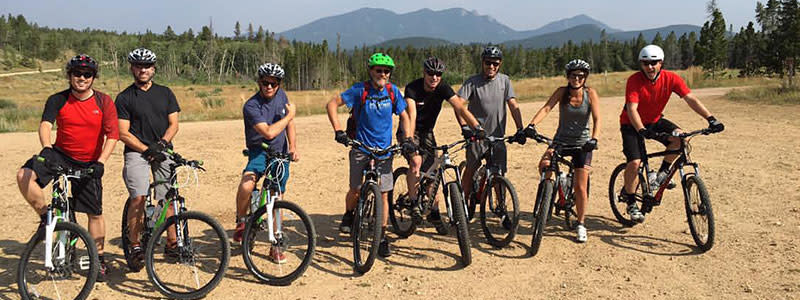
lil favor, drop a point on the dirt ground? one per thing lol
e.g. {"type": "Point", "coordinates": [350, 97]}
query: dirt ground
{"type": "Point", "coordinates": [752, 171]}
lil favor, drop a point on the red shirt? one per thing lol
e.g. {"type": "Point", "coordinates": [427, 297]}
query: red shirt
{"type": "Point", "coordinates": [82, 127]}
{"type": "Point", "coordinates": [652, 98]}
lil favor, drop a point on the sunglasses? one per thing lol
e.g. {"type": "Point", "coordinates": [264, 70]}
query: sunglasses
{"type": "Point", "coordinates": [491, 63]}
{"type": "Point", "coordinates": [383, 71]}
{"type": "Point", "coordinates": [271, 84]}
{"type": "Point", "coordinates": [143, 66]}
{"type": "Point", "coordinates": [86, 75]}
{"type": "Point", "coordinates": [577, 76]}
{"type": "Point", "coordinates": [434, 73]}
{"type": "Point", "coordinates": [650, 62]}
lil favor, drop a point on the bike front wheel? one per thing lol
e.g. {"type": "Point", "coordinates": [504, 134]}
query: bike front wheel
{"type": "Point", "coordinates": [75, 265]}
{"type": "Point", "coordinates": [616, 197]}
{"type": "Point", "coordinates": [400, 205]}
{"type": "Point", "coordinates": [541, 212]}
{"type": "Point", "coordinates": [499, 211]}
{"type": "Point", "coordinates": [460, 222]}
{"type": "Point", "coordinates": [699, 212]}
{"type": "Point", "coordinates": [282, 261]}
{"type": "Point", "coordinates": [196, 267]}
{"type": "Point", "coordinates": [368, 228]}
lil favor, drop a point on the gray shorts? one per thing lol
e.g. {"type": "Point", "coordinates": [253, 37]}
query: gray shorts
{"type": "Point", "coordinates": [136, 174]}
{"type": "Point", "coordinates": [475, 152]}
{"type": "Point", "coordinates": [359, 161]}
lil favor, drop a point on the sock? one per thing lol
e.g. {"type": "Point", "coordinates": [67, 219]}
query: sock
{"type": "Point", "coordinates": [664, 166]}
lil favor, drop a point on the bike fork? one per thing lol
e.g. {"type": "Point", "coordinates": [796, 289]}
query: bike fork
{"type": "Point", "coordinates": [179, 227]}
{"type": "Point", "coordinates": [272, 227]}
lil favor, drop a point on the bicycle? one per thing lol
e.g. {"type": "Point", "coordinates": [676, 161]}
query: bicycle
{"type": "Point", "coordinates": [276, 223]}
{"type": "Point", "coordinates": [554, 196]}
{"type": "Point", "coordinates": [697, 203]}
{"type": "Point", "coordinates": [368, 215]}
{"type": "Point", "coordinates": [400, 211]}
{"type": "Point", "coordinates": [61, 252]}
{"type": "Point", "coordinates": [498, 227]}
{"type": "Point", "coordinates": [205, 255]}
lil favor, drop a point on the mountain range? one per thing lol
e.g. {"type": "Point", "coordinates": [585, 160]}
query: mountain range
{"type": "Point", "coordinates": [371, 26]}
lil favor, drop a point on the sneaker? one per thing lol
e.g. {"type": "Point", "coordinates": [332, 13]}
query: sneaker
{"type": "Point", "coordinates": [276, 255]}
{"type": "Point", "coordinates": [237, 235]}
{"type": "Point", "coordinates": [416, 214]}
{"type": "Point", "coordinates": [101, 274]}
{"type": "Point", "coordinates": [171, 251]}
{"type": "Point", "coordinates": [506, 222]}
{"type": "Point", "coordinates": [436, 219]}
{"type": "Point", "coordinates": [347, 222]}
{"type": "Point", "coordinates": [635, 214]}
{"type": "Point", "coordinates": [136, 258]}
{"type": "Point", "coordinates": [581, 230]}
{"type": "Point", "coordinates": [384, 249]}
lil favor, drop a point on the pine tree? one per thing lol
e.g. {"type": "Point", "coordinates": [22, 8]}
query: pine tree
{"type": "Point", "coordinates": [712, 49]}
{"type": "Point", "coordinates": [237, 31]}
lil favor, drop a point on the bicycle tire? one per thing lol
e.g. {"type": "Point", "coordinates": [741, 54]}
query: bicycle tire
{"type": "Point", "coordinates": [701, 209]}
{"type": "Point", "coordinates": [615, 197]}
{"type": "Point", "coordinates": [254, 226]}
{"type": "Point", "coordinates": [367, 220]}
{"type": "Point", "coordinates": [221, 238]}
{"type": "Point", "coordinates": [399, 211]}
{"type": "Point", "coordinates": [460, 222]}
{"type": "Point", "coordinates": [38, 238]}
{"type": "Point", "coordinates": [490, 208]}
{"type": "Point", "coordinates": [541, 212]}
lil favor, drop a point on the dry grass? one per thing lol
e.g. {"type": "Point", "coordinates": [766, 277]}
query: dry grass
{"type": "Point", "coordinates": [219, 102]}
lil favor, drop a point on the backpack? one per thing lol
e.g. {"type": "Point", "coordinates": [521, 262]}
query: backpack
{"type": "Point", "coordinates": [98, 97]}
{"type": "Point", "coordinates": [352, 123]}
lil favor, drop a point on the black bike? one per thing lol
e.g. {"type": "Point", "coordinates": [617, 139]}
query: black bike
{"type": "Point", "coordinates": [368, 217]}
{"type": "Point", "coordinates": [401, 206]}
{"type": "Point", "coordinates": [196, 262]}
{"type": "Point", "coordinates": [697, 202]}
{"type": "Point", "coordinates": [552, 194]}
{"type": "Point", "coordinates": [60, 260]}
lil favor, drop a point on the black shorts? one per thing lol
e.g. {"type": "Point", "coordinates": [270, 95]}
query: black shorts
{"type": "Point", "coordinates": [631, 138]}
{"type": "Point", "coordinates": [580, 158]}
{"type": "Point", "coordinates": [87, 193]}
{"type": "Point", "coordinates": [425, 142]}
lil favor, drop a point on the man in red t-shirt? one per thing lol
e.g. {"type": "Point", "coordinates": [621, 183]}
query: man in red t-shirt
{"type": "Point", "coordinates": [86, 135]}
{"type": "Point", "coordinates": [646, 94]}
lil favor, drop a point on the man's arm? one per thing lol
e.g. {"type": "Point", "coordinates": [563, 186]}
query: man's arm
{"type": "Point", "coordinates": [333, 116]}
{"type": "Point", "coordinates": [108, 147]}
{"type": "Point", "coordinates": [411, 108]}
{"type": "Point", "coordinates": [633, 115]}
{"type": "Point", "coordinates": [515, 113]}
{"type": "Point", "coordinates": [44, 134]}
{"type": "Point", "coordinates": [406, 123]}
{"type": "Point", "coordinates": [291, 136]}
{"type": "Point", "coordinates": [172, 130]}
{"type": "Point", "coordinates": [463, 116]}
{"type": "Point", "coordinates": [271, 131]}
{"type": "Point", "coordinates": [128, 138]}
{"type": "Point", "coordinates": [696, 105]}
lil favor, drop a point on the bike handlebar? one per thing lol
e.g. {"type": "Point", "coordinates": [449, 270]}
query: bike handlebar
{"type": "Point", "coordinates": [271, 153]}
{"type": "Point", "coordinates": [374, 150]}
{"type": "Point", "coordinates": [68, 171]}
{"type": "Point", "coordinates": [180, 161]}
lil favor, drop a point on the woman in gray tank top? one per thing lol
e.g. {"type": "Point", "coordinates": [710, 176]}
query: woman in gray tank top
{"type": "Point", "coordinates": [576, 103]}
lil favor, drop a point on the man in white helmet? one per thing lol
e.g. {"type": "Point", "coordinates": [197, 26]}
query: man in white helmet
{"type": "Point", "coordinates": [646, 94]}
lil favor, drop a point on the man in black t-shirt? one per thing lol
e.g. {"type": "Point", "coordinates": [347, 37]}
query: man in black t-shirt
{"type": "Point", "coordinates": [424, 97]}
{"type": "Point", "coordinates": [148, 120]}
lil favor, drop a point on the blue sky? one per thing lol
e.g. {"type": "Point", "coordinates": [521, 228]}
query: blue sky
{"type": "Point", "coordinates": [278, 16]}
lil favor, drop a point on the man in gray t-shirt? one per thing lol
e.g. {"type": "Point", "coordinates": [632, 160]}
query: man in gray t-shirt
{"type": "Point", "coordinates": [488, 93]}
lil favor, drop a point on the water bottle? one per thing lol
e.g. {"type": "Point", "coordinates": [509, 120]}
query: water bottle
{"type": "Point", "coordinates": [567, 183]}
{"type": "Point", "coordinates": [652, 177]}
{"type": "Point", "coordinates": [255, 198]}
{"type": "Point", "coordinates": [150, 212]}
{"type": "Point", "coordinates": [562, 179]}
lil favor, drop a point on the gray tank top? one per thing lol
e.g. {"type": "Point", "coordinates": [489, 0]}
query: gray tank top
{"type": "Point", "coordinates": [573, 122]}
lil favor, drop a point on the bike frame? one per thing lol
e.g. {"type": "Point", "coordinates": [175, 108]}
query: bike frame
{"type": "Point", "coordinates": [440, 165]}
{"type": "Point", "coordinates": [270, 193]}
{"type": "Point", "coordinates": [59, 211]}
{"type": "Point", "coordinates": [490, 169]}
{"type": "Point", "coordinates": [678, 165]}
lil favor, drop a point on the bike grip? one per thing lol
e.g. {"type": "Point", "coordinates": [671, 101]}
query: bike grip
{"type": "Point", "coordinates": [265, 146]}
{"type": "Point", "coordinates": [199, 162]}
{"type": "Point", "coordinates": [40, 158]}
{"type": "Point", "coordinates": [169, 151]}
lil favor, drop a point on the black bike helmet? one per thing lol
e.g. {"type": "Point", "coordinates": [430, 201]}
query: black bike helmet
{"type": "Point", "coordinates": [82, 61]}
{"type": "Point", "coordinates": [434, 64]}
{"type": "Point", "coordinates": [492, 52]}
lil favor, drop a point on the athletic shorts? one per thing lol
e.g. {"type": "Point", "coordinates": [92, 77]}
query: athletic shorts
{"type": "Point", "coordinates": [257, 163]}
{"type": "Point", "coordinates": [580, 158]}
{"type": "Point", "coordinates": [631, 138]}
{"type": "Point", "coordinates": [87, 193]}
{"type": "Point", "coordinates": [425, 142]}
{"type": "Point", "coordinates": [136, 173]}
{"type": "Point", "coordinates": [359, 161]}
{"type": "Point", "coordinates": [476, 151]}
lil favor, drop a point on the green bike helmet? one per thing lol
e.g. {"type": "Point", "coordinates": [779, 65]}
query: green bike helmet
{"type": "Point", "coordinates": [380, 59]}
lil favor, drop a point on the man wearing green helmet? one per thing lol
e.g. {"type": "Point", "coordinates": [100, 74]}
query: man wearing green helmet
{"type": "Point", "coordinates": [372, 103]}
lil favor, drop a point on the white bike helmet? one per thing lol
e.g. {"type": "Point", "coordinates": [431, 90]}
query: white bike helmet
{"type": "Point", "coordinates": [651, 52]}
{"type": "Point", "coordinates": [270, 69]}
{"type": "Point", "coordinates": [141, 56]}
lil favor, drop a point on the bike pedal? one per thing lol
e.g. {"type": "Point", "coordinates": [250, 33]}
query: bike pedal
{"type": "Point", "coordinates": [84, 263]}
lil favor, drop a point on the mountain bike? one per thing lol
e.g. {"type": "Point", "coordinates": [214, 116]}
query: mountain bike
{"type": "Point", "coordinates": [368, 217]}
{"type": "Point", "coordinates": [554, 196]}
{"type": "Point", "coordinates": [498, 223]}
{"type": "Point", "coordinates": [195, 250]}
{"type": "Point", "coordinates": [696, 199]}
{"type": "Point", "coordinates": [279, 236]}
{"type": "Point", "coordinates": [60, 260]}
{"type": "Point", "coordinates": [401, 206]}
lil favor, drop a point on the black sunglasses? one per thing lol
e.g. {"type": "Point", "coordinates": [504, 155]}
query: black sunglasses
{"type": "Point", "coordinates": [383, 71]}
{"type": "Point", "coordinates": [268, 83]}
{"type": "Point", "coordinates": [577, 76]}
{"type": "Point", "coordinates": [491, 63]}
{"type": "Point", "coordinates": [143, 66]}
{"type": "Point", "coordinates": [434, 73]}
{"type": "Point", "coordinates": [86, 75]}
{"type": "Point", "coordinates": [650, 62]}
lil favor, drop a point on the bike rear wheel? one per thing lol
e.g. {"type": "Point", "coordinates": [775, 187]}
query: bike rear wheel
{"type": "Point", "coordinates": [400, 206]}
{"type": "Point", "coordinates": [460, 222]}
{"type": "Point", "coordinates": [282, 262]}
{"type": "Point", "coordinates": [75, 265]}
{"type": "Point", "coordinates": [190, 271]}
{"type": "Point", "coordinates": [367, 229]}
{"type": "Point", "coordinates": [619, 205]}
{"type": "Point", "coordinates": [699, 212]}
{"type": "Point", "coordinates": [499, 211]}
{"type": "Point", "coordinates": [541, 212]}
{"type": "Point", "coordinates": [126, 242]}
